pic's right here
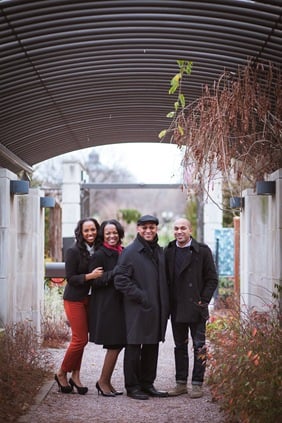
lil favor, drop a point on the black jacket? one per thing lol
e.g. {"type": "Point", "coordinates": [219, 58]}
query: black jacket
{"type": "Point", "coordinates": [76, 265]}
{"type": "Point", "coordinates": [197, 281]}
{"type": "Point", "coordinates": [106, 314]}
{"type": "Point", "coordinates": [143, 284]}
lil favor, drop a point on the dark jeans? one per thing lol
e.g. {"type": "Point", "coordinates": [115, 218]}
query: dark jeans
{"type": "Point", "coordinates": [140, 365]}
{"type": "Point", "coordinates": [181, 335]}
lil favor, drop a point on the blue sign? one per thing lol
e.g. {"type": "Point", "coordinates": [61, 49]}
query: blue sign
{"type": "Point", "coordinates": [225, 251]}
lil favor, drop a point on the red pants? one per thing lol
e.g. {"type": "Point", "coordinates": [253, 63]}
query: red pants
{"type": "Point", "coordinates": [77, 316]}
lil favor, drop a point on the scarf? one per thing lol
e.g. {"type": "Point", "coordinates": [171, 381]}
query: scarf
{"type": "Point", "coordinates": [117, 248]}
{"type": "Point", "coordinates": [90, 249]}
{"type": "Point", "coordinates": [151, 247]}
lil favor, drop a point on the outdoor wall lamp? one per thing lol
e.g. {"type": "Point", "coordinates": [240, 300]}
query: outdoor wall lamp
{"type": "Point", "coordinates": [47, 202]}
{"type": "Point", "coordinates": [19, 187]}
{"type": "Point", "coordinates": [265, 187]}
{"type": "Point", "coordinates": [237, 202]}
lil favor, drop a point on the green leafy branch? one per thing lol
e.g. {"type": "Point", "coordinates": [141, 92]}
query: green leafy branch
{"type": "Point", "coordinates": [185, 68]}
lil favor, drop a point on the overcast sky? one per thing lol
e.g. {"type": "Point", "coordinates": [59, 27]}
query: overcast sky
{"type": "Point", "coordinates": [148, 162]}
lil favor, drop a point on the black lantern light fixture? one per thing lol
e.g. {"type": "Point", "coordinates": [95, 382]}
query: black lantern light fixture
{"type": "Point", "coordinates": [47, 202]}
{"type": "Point", "coordinates": [236, 202]}
{"type": "Point", "coordinates": [265, 187]}
{"type": "Point", "coordinates": [19, 187]}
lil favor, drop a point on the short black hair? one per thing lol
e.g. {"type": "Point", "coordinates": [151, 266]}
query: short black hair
{"type": "Point", "coordinates": [114, 222]}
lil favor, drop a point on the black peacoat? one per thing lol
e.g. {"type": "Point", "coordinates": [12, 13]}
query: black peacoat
{"type": "Point", "coordinates": [144, 286]}
{"type": "Point", "coordinates": [76, 265]}
{"type": "Point", "coordinates": [106, 314]}
{"type": "Point", "coordinates": [196, 282]}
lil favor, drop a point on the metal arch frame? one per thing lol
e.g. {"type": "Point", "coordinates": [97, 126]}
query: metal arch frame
{"type": "Point", "coordinates": [81, 74]}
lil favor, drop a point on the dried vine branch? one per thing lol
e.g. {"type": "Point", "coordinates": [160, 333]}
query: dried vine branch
{"type": "Point", "coordinates": [235, 127]}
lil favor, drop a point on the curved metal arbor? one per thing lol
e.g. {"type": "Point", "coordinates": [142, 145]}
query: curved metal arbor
{"type": "Point", "coordinates": [81, 74]}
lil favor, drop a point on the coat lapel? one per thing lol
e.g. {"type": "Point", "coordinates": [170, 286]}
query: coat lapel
{"type": "Point", "coordinates": [187, 261]}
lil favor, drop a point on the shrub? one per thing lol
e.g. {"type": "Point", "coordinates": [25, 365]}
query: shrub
{"type": "Point", "coordinates": [244, 364]}
{"type": "Point", "coordinates": [24, 366]}
{"type": "Point", "coordinates": [24, 356]}
{"type": "Point", "coordinates": [55, 328]}
{"type": "Point", "coordinates": [225, 294]}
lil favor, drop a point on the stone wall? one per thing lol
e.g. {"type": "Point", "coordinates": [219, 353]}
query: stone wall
{"type": "Point", "coordinates": [261, 245]}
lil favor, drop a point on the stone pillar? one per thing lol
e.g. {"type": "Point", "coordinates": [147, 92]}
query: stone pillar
{"type": "Point", "coordinates": [275, 246]}
{"type": "Point", "coordinates": [29, 266]}
{"type": "Point", "coordinates": [72, 175]}
{"type": "Point", "coordinates": [213, 213]}
{"type": "Point", "coordinates": [7, 233]}
{"type": "Point", "coordinates": [21, 254]}
{"type": "Point", "coordinates": [261, 241]}
{"type": "Point", "coordinates": [236, 223]}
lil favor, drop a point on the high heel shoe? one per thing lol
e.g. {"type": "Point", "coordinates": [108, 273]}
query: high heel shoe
{"type": "Point", "coordinates": [82, 390]}
{"type": "Point", "coordinates": [116, 392]}
{"type": "Point", "coordinates": [64, 389]}
{"type": "Point", "coordinates": [104, 394]}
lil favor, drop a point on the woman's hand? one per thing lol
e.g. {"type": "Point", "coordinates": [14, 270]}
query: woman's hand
{"type": "Point", "coordinates": [96, 273]}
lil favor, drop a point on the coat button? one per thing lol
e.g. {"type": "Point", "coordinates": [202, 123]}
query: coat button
{"type": "Point", "coordinates": [190, 285]}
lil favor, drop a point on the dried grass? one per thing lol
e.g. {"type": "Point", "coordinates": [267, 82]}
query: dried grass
{"type": "Point", "coordinates": [24, 367]}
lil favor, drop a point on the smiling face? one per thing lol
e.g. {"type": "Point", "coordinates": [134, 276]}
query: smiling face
{"type": "Point", "coordinates": [147, 230]}
{"type": "Point", "coordinates": [111, 235]}
{"type": "Point", "coordinates": [89, 232]}
{"type": "Point", "coordinates": [182, 231]}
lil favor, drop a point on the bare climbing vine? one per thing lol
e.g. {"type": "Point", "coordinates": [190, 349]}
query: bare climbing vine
{"type": "Point", "coordinates": [234, 128]}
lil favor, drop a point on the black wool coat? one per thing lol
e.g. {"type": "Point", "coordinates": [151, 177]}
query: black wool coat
{"type": "Point", "coordinates": [76, 265]}
{"type": "Point", "coordinates": [196, 282]}
{"type": "Point", "coordinates": [106, 314]}
{"type": "Point", "coordinates": [143, 284]}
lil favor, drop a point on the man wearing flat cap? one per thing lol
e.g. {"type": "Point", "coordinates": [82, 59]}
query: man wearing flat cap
{"type": "Point", "coordinates": [141, 279]}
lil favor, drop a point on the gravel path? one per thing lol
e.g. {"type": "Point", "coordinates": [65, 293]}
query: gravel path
{"type": "Point", "coordinates": [52, 406]}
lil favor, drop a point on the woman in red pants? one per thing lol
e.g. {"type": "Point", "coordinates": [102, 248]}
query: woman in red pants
{"type": "Point", "coordinates": [75, 297]}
